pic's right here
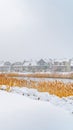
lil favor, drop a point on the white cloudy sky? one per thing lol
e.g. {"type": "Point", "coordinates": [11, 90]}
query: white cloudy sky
{"type": "Point", "coordinates": [31, 29]}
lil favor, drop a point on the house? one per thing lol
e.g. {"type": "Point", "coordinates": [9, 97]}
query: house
{"type": "Point", "coordinates": [41, 63]}
{"type": "Point", "coordinates": [71, 65]}
{"type": "Point", "coordinates": [29, 66]}
{"type": "Point", "coordinates": [35, 66]}
{"type": "Point", "coordinates": [61, 66]}
{"type": "Point", "coordinates": [2, 68]}
{"type": "Point", "coordinates": [7, 63]}
{"type": "Point", "coordinates": [5, 66]}
{"type": "Point", "coordinates": [17, 67]}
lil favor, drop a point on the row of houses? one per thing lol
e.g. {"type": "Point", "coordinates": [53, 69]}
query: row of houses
{"type": "Point", "coordinates": [37, 66]}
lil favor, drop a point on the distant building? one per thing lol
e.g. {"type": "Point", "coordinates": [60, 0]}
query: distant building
{"type": "Point", "coordinates": [41, 63]}
{"type": "Point", "coordinates": [29, 66]}
{"type": "Point", "coordinates": [37, 66]}
{"type": "Point", "coordinates": [17, 67]}
{"type": "Point", "coordinates": [7, 63]}
{"type": "Point", "coordinates": [5, 66]}
{"type": "Point", "coordinates": [61, 66]}
{"type": "Point", "coordinates": [71, 66]}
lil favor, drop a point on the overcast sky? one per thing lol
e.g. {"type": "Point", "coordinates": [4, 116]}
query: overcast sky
{"type": "Point", "coordinates": [33, 29]}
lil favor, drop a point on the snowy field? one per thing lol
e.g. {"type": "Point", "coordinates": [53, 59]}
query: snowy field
{"type": "Point", "coordinates": [28, 109]}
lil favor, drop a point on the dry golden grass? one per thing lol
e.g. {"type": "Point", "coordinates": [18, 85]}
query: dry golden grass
{"type": "Point", "coordinates": [53, 87]}
{"type": "Point", "coordinates": [57, 88]}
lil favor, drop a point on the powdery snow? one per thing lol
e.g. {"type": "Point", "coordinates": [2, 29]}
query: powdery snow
{"type": "Point", "coordinates": [65, 102]}
{"type": "Point", "coordinates": [18, 112]}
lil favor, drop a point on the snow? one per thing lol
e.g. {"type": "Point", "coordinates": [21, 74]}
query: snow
{"type": "Point", "coordinates": [18, 110]}
{"type": "Point", "coordinates": [65, 102]}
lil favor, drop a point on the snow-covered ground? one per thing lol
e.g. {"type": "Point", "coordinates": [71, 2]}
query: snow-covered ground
{"type": "Point", "coordinates": [65, 102]}
{"type": "Point", "coordinates": [18, 110]}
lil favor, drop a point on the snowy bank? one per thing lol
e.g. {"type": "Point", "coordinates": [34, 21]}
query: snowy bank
{"type": "Point", "coordinates": [64, 102]}
{"type": "Point", "coordinates": [18, 112]}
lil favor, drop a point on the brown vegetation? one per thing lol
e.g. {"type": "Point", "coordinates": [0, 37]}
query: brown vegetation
{"type": "Point", "coordinates": [53, 87]}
